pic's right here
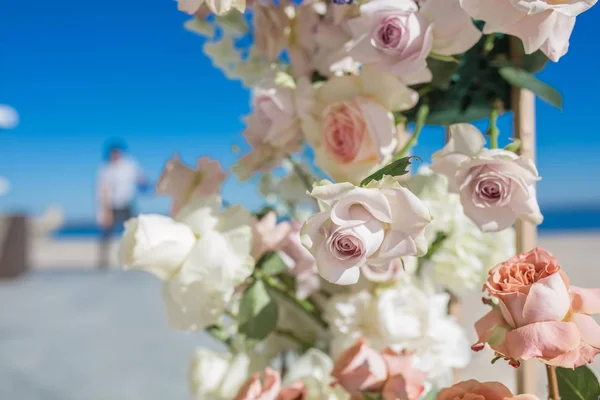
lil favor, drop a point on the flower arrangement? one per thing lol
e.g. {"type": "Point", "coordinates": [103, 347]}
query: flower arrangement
{"type": "Point", "coordinates": [340, 287]}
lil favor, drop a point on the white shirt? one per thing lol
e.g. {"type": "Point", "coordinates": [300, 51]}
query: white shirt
{"type": "Point", "coordinates": [120, 178]}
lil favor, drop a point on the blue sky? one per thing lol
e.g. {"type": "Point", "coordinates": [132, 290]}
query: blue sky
{"type": "Point", "coordinates": [79, 74]}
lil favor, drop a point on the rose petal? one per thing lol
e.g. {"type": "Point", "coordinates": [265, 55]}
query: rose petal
{"type": "Point", "coordinates": [585, 301]}
{"type": "Point", "coordinates": [548, 300]}
{"type": "Point", "coordinates": [372, 200]}
{"type": "Point", "coordinates": [589, 329]}
{"type": "Point", "coordinates": [336, 271]}
{"type": "Point", "coordinates": [542, 339]}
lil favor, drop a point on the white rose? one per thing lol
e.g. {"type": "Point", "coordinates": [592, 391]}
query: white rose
{"type": "Point", "coordinates": [314, 368]}
{"type": "Point", "coordinates": [203, 256]}
{"type": "Point", "coordinates": [372, 225]}
{"type": "Point", "coordinates": [465, 256]}
{"type": "Point", "coordinates": [496, 186]}
{"type": "Point", "coordinates": [220, 260]}
{"type": "Point", "coordinates": [402, 317]}
{"type": "Point", "coordinates": [156, 244]}
{"type": "Point", "coordinates": [215, 375]}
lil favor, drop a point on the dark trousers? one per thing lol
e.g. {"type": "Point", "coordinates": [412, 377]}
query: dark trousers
{"type": "Point", "coordinates": [120, 215]}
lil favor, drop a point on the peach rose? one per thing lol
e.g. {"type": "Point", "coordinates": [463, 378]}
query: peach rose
{"type": "Point", "coordinates": [539, 314]}
{"type": "Point", "coordinates": [360, 369]}
{"type": "Point", "coordinates": [182, 183]}
{"type": "Point", "coordinates": [253, 389]}
{"type": "Point", "coordinates": [404, 381]}
{"type": "Point", "coordinates": [474, 390]}
{"type": "Point", "coordinates": [296, 391]}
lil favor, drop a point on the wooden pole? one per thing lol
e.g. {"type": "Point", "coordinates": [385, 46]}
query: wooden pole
{"type": "Point", "coordinates": [523, 106]}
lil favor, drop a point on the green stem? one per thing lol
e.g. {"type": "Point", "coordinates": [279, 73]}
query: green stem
{"type": "Point", "coordinates": [307, 180]}
{"type": "Point", "coordinates": [305, 306]}
{"type": "Point", "coordinates": [493, 129]}
{"type": "Point", "coordinates": [420, 122]}
{"type": "Point", "coordinates": [218, 332]}
{"type": "Point", "coordinates": [488, 45]}
{"type": "Point", "coordinates": [293, 337]}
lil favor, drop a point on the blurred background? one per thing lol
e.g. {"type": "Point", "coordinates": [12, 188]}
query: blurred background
{"type": "Point", "coordinates": [86, 78]}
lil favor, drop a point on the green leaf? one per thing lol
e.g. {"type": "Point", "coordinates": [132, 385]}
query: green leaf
{"type": "Point", "coordinates": [258, 312]}
{"type": "Point", "coordinates": [443, 57]}
{"type": "Point", "coordinates": [577, 384]}
{"type": "Point", "coordinates": [523, 79]}
{"type": "Point", "coordinates": [431, 395]}
{"type": "Point", "coordinates": [534, 62]}
{"type": "Point", "coordinates": [396, 168]}
{"type": "Point", "coordinates": [442, 72]}
{"type": "Point", "coordinates": [271, 264]}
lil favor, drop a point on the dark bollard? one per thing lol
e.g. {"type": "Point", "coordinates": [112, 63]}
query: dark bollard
{"type": "Point", "coordinates": [14, 246]}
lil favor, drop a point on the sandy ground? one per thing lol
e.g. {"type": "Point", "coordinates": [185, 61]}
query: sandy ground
{"type": "Point", "coordinates": [71, 332]}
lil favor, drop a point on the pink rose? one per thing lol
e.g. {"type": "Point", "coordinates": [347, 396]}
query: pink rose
{"type": "Point", "coordinates": [395, 37]}
{"type": "Point", "coordinates": [182, 183]}
{"type": "Point", "coordinates": [330, 56]}
{"type": "Point", "coordinates": [303, 47]}
{"type": "Point", "coordinates": [540, 315]}
{"type": "Point", "coordinates": [296, 391]}
{"type": "Point", "coordinates": [540, 24]}
{"type": "Point", "coordinates": [360, 369]}
{"type": "Point", "coordinates": [273, 130]}
{"type": "Point", "coordinates": [496, 186]}
{"type": "Point", "coordinates": [474, 390]}
{"type": "Point", "coordinates": [253, 389]}
{"type": "Point", "coordinates": [267, 234]}
{"type": "Point", "coordinates": [350, 124]}
{"type": "Point", "coordinates": [302, 264]}
{"type": "Point", "coordinates": [384, 273]}
{"type": "Point", "coordinates": [398, 36]}
{"type": "Point", "coordinates": [372, 225]}
{"type": "Point", "coordinates": [404, 381]}
{"type": "Point", "coordinates": [271, 26]}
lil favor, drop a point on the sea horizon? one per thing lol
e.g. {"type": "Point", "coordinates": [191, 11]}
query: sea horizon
{"type": "Point", "coordinates": [556, 219]}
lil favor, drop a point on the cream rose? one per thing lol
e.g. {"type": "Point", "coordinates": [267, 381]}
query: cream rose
{"type": "Point", "coordinates": [375, 224]}
{"type": "Point", "coordinates": [218, 7]}
{"type": "Point", "coordinates": [496, 186]}
{"type": "Point", "coordinates": [350, 124]}
{"type": "Point", "coordinates": [217, 375]}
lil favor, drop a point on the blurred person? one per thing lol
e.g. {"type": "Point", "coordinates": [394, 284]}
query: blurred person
{"type": "Point", "coordinates": [118, 182]}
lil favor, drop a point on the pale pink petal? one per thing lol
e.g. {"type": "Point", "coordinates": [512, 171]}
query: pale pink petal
{"type": "Point", "coordinates": [336, 271]}
{"type": "Point", "coordinates": [497, 14]}
{"type": "Point", "coordinates": [557, 44]}
{"type": "Point", "coordinates": [381, 127]}
{"type": "Point", "coordinates": [371, 199]}
{"type": "Point", "coordinates": [311, 233]}
{"type": "Point", "coordinates": [409, 214]}
{"type": "Point", "coordinates": [542, 339]}
{"type": "Point", "coordinates": [488, 219]}
{"type": "Point", "coordinates": [453, 29]}
{"type": "Point", "coordinates": [589, 329]}
{"type": "Point", "coordinates": [533, 30]}
{"type": "Point", "coordinates": [548, 300]}
{"type": "Point", "coordinates": [585, 301]}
